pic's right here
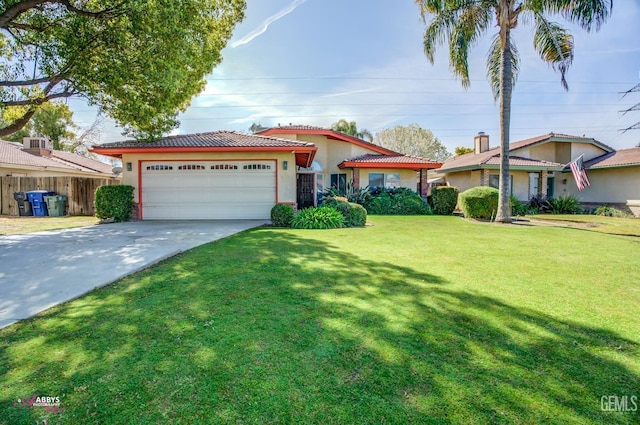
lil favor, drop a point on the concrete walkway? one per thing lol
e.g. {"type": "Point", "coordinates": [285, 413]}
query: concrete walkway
{"type": "Point", "coordinates": [40, 270]}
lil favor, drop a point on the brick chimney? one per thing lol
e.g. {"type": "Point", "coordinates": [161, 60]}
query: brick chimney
{"type": "Point", "coordinates": [480, 143]}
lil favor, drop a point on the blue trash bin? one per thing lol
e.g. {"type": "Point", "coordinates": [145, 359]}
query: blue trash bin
{"type": "Point", "coordinates": [38, 205]}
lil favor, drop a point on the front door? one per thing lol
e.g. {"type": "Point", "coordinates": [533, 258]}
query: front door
{"type": "Point", "coordinates": [305, 190]}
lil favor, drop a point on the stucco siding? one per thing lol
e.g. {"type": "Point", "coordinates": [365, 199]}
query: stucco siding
{"type": "Point", "coordinates": [589, 151]}
{"type": "Point", "coordinates": [615, 185]}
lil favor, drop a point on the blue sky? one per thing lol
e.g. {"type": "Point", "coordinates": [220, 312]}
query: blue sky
{"type": "Point", "coordinates": [316, 61]}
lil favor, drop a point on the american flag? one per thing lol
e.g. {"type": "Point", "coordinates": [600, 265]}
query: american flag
{"type": "Point", "coordinates": [579, 173]}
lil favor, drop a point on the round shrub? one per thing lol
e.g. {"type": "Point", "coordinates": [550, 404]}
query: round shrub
{"type": "Point", "coordinates": [479, 202]}
{"type": "Point", "coordinates": [114, 202]}
{"type": "Point", "coordinates": [318, 218]}
{"type": "Point", "coordinates": [354, 214]}
{"type": "Point", "coordinates": [281, 215]}
{"type": "Point", "coordinates": [444, 199]}
{"type": "Point", "coordinates": [401, 201]}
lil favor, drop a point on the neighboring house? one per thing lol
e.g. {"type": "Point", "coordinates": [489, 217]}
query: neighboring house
{"type": "Point", "coordinates": [224, 175]}
{"type": "Point", "coordinates": [540, 167]}
{"type": "Point", "coordinates": [38, 159]}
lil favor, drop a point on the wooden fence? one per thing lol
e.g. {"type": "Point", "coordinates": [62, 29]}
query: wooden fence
{"type": "Point", "coordinates": [80, 191]}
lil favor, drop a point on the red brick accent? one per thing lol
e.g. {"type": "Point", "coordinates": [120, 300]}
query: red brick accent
{"type": "Point", "coordinates": [356, 178]}
{"type": "Point", "coordinates": [423, 182]}
{"type": "Point", "coordinates": [135, 212]}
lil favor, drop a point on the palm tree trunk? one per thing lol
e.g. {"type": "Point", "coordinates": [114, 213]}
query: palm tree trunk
{"type": "Point", "coordinates": [506, 84]}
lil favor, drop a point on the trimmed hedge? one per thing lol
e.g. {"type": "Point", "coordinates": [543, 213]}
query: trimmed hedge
{"type": "Point", "coordinates": [281, 215]}
{"type": "Point", "coordinates": [444, 199]}
{"type": "Point", "coordinates": [318, 218]}
{"type": "Point", "coordinates": [400, 201]}
{"type": "Point", "coordinates": [479, 202]}
{"type": "Point", "coordinates": [114, 202]}
{"type": "Point", "coordinates": [355, 215]}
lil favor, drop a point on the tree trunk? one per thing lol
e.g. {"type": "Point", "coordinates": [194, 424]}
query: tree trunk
{"type": "Point", "coordinates": [506, 84]}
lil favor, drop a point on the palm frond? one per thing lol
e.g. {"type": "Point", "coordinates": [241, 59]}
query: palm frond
{"type": "Point", "coordinates": [589, 14]}
{"type": "Point", "coordinates": [554, 44]}
{"type": "Point", "coordinates": [461, 23]}
{"type": "Point", "coordinates": [494, 65]}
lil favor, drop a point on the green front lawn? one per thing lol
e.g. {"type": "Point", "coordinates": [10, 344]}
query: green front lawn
{"type": "Point", "coordinates": [412, 320]}
{"type": "Point", "coordinates": [20, 225]}
{"type": "Point", "coordinates": [612, 225]}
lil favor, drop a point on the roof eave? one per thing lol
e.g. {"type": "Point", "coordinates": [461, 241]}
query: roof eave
{"type": "Point", "coordinates": [389, 165]}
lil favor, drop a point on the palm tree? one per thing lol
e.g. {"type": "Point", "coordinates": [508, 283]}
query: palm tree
{"type": "Point", "coordinates": [351, 128]}
{"type": "Point", "coordinates": [463, 22]}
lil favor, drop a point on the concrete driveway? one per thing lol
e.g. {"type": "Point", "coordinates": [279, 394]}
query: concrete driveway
{"type": "Point", "coordinates": [40, 270]}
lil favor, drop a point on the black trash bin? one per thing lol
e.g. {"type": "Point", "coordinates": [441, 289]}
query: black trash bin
{"type": "Point", "coordinates": [24, 206]}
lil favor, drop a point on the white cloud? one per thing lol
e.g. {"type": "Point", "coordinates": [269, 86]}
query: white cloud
{"type": "Point", "coordinates": [262, 28]}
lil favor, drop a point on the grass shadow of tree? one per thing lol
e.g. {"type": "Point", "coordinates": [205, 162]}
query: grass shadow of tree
{"type": "Point", "coordinates": [272, 327]}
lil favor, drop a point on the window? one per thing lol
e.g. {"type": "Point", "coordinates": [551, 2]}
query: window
{"type": "Point", "coordinates": [191, 167]}
{"type": "Point", "coordinates": [159, 167]}
{"type": "Point", "coordinates": [224, 167]}
{"type": "Point", "coordinates": [494, 181]}
{"type": "Point", "coordinates": [376, 181]}
{"type": "Point", "coordinates": [384, 181]}
{"type": "Point", "coordinates": [392, 181]}
{"type": "Point", "coordinates": [339, 182]}
{"type": "Point", "coordinates": [534, 185]}
{"type": "Point", "coordinates": [257, 167]}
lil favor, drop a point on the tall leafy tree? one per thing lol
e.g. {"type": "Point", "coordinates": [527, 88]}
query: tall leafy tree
{"type": "Point", "coordinates": [463, 22]}
{"type": "Point", "coordinates": [140, 62]}
{"type": "Point", "coordinates": [461, 150]}
{"type": "Point", "coordinates": [351, 128]}
{"type": "Point", "coordinates": [412, 140]}
{"type": "Point", "coordinates": [53, 120]}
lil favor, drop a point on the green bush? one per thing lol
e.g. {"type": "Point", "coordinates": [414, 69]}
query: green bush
{"type": "Point", "coordinates": [354, 214]}
{"type": "Point", "coordinates": [444, 199]}
{"type": "Point", "coordinates": [479, 202]}
{"type": "Point", "coordinates": [568, 204]}
{"type": "Point", "coordinates": [281, 215]}
{"type": "Point", "coordinates": [318, 218]}
{"type": "Point", "coordinates": [114, 202]}
{"type": "Point", "coordinates": [518, 208]}
{"type": "Point", "coordinates": [400, 201]}
{"type": "Point", "coordinates": [607, 211]}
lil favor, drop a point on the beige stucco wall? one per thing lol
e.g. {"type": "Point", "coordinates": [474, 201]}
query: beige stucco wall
{"type": "Point", "coordinates": [330, 152]}
{"type": "Point", "coordinates": [463, 180]}
{"type": "Point", "coordinates": [589, 151]}
{"type": "Point", "coordinates": [286, 178]}
{"type": "Point", "coordinates": [561, 152]}
{"type": "Point", "coordinates": [615, 185]}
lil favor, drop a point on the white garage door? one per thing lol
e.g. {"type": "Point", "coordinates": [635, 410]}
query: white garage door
{"type": "Point", "coordinates": [208, 189]}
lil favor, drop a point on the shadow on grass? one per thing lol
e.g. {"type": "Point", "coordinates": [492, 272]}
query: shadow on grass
{"type": "Point", "coordinates": [270, 327]}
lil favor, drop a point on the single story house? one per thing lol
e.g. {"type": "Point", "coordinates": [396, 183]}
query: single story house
{"type": "Point", "coordinates": [226, 174]}
{"type": "Point", "coordinates": [539, 166]}
{"type": "Point", "coordinates": [35, 157]}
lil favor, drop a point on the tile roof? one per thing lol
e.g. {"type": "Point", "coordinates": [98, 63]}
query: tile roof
{"type": "Point", "coordinates": [222, 139]}
{"type": "Point", "coordinates": [297, 127]}
{"type": "Point", "coordinates": [83, 161]}
{"type": "Point", "coordinates": [621, 158]}
{"type": "Point", "coordinates": [493, 154]}
{"type": "Point", "coordinates": [391, 159]}
{"type": "Point", "coordinates": [519, 161]}
{"type": "Point", "coordinates": [12, 154]}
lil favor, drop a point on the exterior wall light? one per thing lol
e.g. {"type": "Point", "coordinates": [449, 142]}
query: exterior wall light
{"type": "Point", "coordinates": [129, 167]}
{"type": "Point", "coordinates": [285, 165]}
